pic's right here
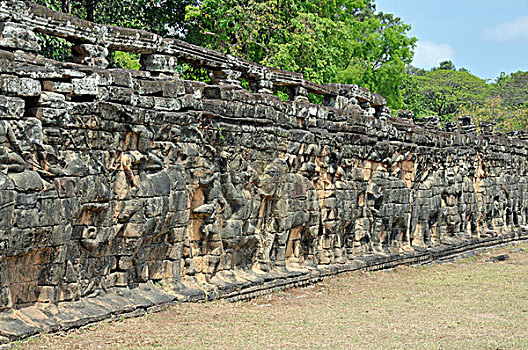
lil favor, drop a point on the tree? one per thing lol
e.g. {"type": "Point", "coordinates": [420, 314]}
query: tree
{"type": "Point", "coordinates": [513, 89]}
{"type": "Point", "coordinates": [380, 57]}
{"type": "Point", "coordinates": [445, 91]}
{"type": "Point", "coordinates": [165, 17]}
{"type": "Point", "coordinates": [493, 110]}
{"type": "Point", "coordinates": [328, 41]}
{"type": "Point", "coordinates": [446, 65]}
{"type": "Point", "coordinates": [412, 97]}
{"type": "Point", "coordinates": [161, 16]}
{"type": "Point", "coordinates": [288, 34]}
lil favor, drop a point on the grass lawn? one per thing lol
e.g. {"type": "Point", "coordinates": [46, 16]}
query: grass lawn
{"type": "Point", "coordinates": [469, 304]}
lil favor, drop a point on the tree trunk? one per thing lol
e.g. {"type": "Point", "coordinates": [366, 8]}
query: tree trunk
{"type": "Point", "coordinates": [66, 7]}
{"type": "Point", "coordinates": [90, 5]}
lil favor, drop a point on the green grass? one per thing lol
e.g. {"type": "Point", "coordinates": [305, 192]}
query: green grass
{"type": "Point", "coordinates": [469, 304]}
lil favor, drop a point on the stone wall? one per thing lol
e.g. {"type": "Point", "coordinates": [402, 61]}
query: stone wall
{"type": "Point", "coordinates": [122, 190]}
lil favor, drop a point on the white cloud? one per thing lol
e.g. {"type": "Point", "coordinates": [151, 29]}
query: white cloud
{"type": "Point", "coordinates": [429, 54]}
{"type": "Point", "coordinates": [512, 30]}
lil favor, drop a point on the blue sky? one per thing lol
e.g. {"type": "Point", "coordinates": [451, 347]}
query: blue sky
{"type": "Point", "coordinates": [485, 36]}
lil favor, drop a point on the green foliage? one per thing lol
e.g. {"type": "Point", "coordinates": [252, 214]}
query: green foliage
{"type": "Point", "coordinates": [282, 94]}
{"type": "Point", "coordinates": [328, 41]}
{"type": "Point", "coordinates": [494, 110]}
{"type": "Point", "coordinates": [378, 59]}
{"type": "Point", "coordinates": [414, 100]}
{"type": "Point", "coordinates": [124, 60]}
{"type": "Point", "coordinates": [445, 65]}
{"type": "Point", "coordinates": [448, 92]}
{"type": "Point", "coordinates": [513, 89]}
{"type": "Point", "coordinates": [270, 33]}
{"type": "Point", "coordinates": [444, 91]}
{"type": "Point", "coordinates": [55, 48]}
{"type": "Point", "coordinates": [189, 72]}
{"type": "Point", "coordinates": [315, 99]}
{"type": "Point", "coordinates": [245, 84]}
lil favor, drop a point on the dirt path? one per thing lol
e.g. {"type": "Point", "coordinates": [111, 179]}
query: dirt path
{"type": "Point", "coordinates": [469, 304]}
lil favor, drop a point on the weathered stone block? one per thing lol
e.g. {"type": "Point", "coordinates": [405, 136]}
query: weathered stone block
{"type": "Point", "coordinates": [159, 63]}
{"type": "Point", "coordinates": [7, 62]}
{"type": "Point", "coordinates": [92, 55]}
{"type": "Point", "coordinates": [13, 85]}
{"type": "Point", "coordinates": [27, 181]}
{"type": "Point", "coordinates": [120, 94]}
{"type": "Point", "coordinates": [52, 99]}
{"type": "Point", "coordinates": [57, 86]}
{"type": "Point", "coordinates": [48, 294]}
{"type": "Point", "coordinates": [70, 291]}
{"type": "Point", "coordinates": [18, 36]}
{"type": "Point", "coordinates": [11, 107]}
{"type": "Point", "coordinates": [66, 187]}
{"type": "Point", "coordinates": [86, 86]}
{"type": "Point", "coordinates": [49, 116]}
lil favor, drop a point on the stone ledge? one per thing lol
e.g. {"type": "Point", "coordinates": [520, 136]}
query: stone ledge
{"type": "Point", "coordinates": [167, 51]}
{"type": "Point", "coordinates": [121, 303]}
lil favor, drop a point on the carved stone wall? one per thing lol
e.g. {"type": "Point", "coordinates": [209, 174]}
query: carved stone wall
{"type": "Point", "coordinates": [121, 190]}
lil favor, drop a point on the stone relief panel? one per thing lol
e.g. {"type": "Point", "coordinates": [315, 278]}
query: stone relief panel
{"type": "Point", "coordinates": [115, 179]}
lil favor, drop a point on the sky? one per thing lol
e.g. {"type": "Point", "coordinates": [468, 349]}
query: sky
{"type": "Point", "coordinates": [486, 37]}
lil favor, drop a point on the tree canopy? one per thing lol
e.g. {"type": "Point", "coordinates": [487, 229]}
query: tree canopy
{"type": "Point", "coordinates": [443, 91]}
{"type": "Point", "coordinates": [165, 17]}
{"type": "Point", "coordinates": [450, 93]}
{"type": "Point", "coordinates": [494, 110]}
{"type": "Point", "coordinates": [513, 89]}
{"type": "Point", "coordinates": [328, 41]}
{"type": "Point", "coordinates": [161, 16]}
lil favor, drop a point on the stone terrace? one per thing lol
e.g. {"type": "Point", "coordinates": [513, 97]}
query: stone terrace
{"type": "Point", "coordinates": [123, 191]}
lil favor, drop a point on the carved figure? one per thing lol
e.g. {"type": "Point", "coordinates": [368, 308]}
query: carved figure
{"type": "Point", "coordinates": [10, 151]}
{"type": "Point", "coordinates": [42, 157]}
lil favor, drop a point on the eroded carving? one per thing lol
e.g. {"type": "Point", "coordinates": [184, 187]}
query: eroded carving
{"type": "Point", "coordinates": [118, 180]}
